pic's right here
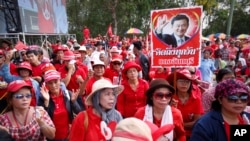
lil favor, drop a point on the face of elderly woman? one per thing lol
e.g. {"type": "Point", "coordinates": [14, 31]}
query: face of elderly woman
{"type": "Point", "coordinates": [107, 99]}
{"type": "Point", "coordinates": [132, 73]}
{"type": "Point", "coordinates": [53, 86]}
{"type": "Point", "coordinates": [161, 98]}
{"type": "Point", "coordinates": [22, 98]}
{"type": "Point", "coordinates": [183, 85]}
{"type": "Point", "coordinates": [235, 103]}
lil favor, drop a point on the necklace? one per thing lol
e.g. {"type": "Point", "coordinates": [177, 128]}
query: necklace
{"type": "Point", "coordinates": [17, 121]}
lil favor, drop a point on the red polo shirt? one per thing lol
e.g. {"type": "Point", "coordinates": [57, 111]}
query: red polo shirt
{"type": "Point", "coordinates": [129, 101]}
{"type": "Point", "coordinates": [37, 70]}
{"type": "Point", "coordinates": [60, 117]}
{"type": "Point", "coordinates": [110, 73]}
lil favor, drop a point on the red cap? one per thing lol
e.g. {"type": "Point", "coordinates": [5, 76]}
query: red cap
{"type": "Point", "coordinates": [24, 65]}
{"type": "Point", "coordinates": [69, 55]}
{"type": "Point", "coordinates": [51, 75]}
{"type": "Point", "coordinates": [59, 48]}
{"type": "Point", "coordinates": [17, 85]}
{"type": "Point", "coordinates": [116, 58]}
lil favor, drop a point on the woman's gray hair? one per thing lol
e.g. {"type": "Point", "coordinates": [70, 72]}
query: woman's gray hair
{"type": "Point", "coordinates": [109, 115]}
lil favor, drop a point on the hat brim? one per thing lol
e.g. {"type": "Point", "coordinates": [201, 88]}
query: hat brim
{"type": "Point", "coordinates": [152, 89]}
{"type": "Point", "coordinates": [138, 68]}
{"type": "Point", "coordinates": [170, 78]}
{"type": "Point", "coordinates": [18, 87]}
{"type": "Point", "coordinates": [117, 89]}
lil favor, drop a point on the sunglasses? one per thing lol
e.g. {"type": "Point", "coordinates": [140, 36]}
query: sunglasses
{"type": "Point", "coordinates": [21, 96]}
{"type": "Point", "coordinates": [117, 63]}
{"type": "Point", "coordinates": [160, 95]}
{"type": "Point", "coordinates": [1, 56]}
{"type": "Point", "coordinates": [235, 98]}
{"type": "Point", "coordinates": [184, 81]}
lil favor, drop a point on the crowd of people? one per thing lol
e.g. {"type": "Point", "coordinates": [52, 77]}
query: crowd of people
{"type": "Point", "coordinates": [106, 89]}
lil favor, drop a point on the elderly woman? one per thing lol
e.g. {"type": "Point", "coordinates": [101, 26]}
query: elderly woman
{"type": "Point", "coordinates": [60, 103]}
{"type": "Point", "coordinates": [158, 110]}
{"type": "Point", "coordinates": [188, 96]}
{"type": "Point", "coordinates": [97, 122]}
{"type": "Point", "coordinates": [22, 121]}
{"type": "Point", "coordinates": [231, 97]}
{"type": "Point", "coordinates": [133, 97]}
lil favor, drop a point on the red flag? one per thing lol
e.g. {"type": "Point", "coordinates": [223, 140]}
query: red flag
{"type": "Point", "coordinates": [110, 33]}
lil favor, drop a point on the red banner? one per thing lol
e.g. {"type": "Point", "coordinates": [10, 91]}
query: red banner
{"type": "Point", "coordinates": [176, 37]}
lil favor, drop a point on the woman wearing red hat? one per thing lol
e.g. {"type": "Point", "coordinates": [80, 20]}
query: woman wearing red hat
{"type": "Point", "coordinates": [159, 111]}
{"type": "Point", "coordinates": [24, 70]}
{"type": "Point", "coordinates": [133, 97]}
{"type": "Point", "coordinates": [22, 121]}
{"type": "Point", "coordinates": [188, 98]}
{"type": "Point", "coordinates": [60, 103]}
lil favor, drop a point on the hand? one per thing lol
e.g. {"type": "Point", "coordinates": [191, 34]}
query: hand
{"type": "Point", "coordinates": [79, 79]}
{"type": "Point", "coordinates": [8, 56]}
{"type": "Point", "coordinates": [161, 23]}
{"type": "Point", "coordinates": [74, 95]}
{"type": "Point", "coordinates": [174, 102]}
{"type": "Point", "coordinates": [45, 93]}
{"type": "Point", "coordinates": [39, 112]}
{"type": "Point", "coordinates": [71, 68]}
{"type": "Point", "coordinates": [4, 128]}
{"type": "Point", "coordinates": [90, 74]}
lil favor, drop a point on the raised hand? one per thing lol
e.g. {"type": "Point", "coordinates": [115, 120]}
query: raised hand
{"type": "Point", "coordinates": [74, 95]}
{"type": "Point", "coordinates": [161, 23]}
{"type": "Point", "coordinates": [79, 79]}
{"type": "Point", "coordinates": [45, 93]}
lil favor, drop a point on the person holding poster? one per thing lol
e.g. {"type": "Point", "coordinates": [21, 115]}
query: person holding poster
{"type": "Point", "coordinates": [179, 24]}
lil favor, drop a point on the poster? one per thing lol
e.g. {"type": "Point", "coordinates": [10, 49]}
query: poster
{"type": "Point", "coordinates": [176, 37]}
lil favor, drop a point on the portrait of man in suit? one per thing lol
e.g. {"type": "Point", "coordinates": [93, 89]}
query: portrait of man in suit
{"type": "Point", "coordinates": [179, 24]}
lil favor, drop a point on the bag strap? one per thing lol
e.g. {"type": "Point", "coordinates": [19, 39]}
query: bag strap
{"type": "Point", "coordinates": [86, 121]}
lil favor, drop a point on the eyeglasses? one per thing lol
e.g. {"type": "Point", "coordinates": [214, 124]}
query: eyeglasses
{"type": "Point", "coordinates": [117, 63]}
{"type": "Point", "coordinates": [23, 54]}
{"type": "Point", "coordinates": [21, 96]}
{"type": "Point", "coordinates": [234, 98]}
{"type": "Point", "coordinates": [160, 95]}
{"type": "Point", "coordinates": [184, 81]}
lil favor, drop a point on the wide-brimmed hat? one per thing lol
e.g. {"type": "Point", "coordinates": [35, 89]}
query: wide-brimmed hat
{"type": "Point", "coordinates": [180, 74]}
{"type": "Point", "coordinates": [101, 84]}
{"type": "Point", "coordinates": [51, 75]}
{"type": "Point", "coordinates": [68, 55]}
{"type": "Point", "coordinates": [159, 83]}
{"type": "Point", "coordinates": [130, 64]}
{"type": "Point", "coordinates": [98, 62]}
{"type": "Point", "coordinates": [132, 129]}
{"type": "Point", "coordinates": [158, 132]}
{"type": "Point", "coordinates": [17, 85]}
{"type": "Point", "coordinates": [229, 87]}
{"type": "Point", "coordinates": [82, 48]}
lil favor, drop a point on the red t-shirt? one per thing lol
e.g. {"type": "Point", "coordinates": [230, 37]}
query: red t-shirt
{"type": "Point", "coordinates": [129, 101]}
{"type": "Point", "coordinates": [37, 70]}
{"type": "Point", "coordinates": [227, 127]}
{"type": "Point", "coordinates": [73, 84]}
{"type": "Point", "coordinates": [110, 73]}
{"type": "Point", "coordinates": [58, 66]}
{"type": "Point", "coordinates": [60, 117]}
{"type": "Point", "coordinates": [192, 107]}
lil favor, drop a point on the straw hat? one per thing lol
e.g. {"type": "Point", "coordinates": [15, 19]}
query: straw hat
{"type": "Point", "coordinates": [101, 84]}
